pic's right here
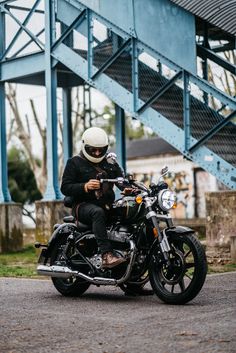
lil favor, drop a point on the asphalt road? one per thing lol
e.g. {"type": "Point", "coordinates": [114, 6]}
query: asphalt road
{"type": "Point", "coordinates": [34, 318]}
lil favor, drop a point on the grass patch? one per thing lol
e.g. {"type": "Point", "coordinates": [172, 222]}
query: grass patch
{"type": "Point", "coordinates": [19, 264]}
{"type": "Point", "coordinates": [23, 264]}
{"type": "Point", "coordinates": [221, 268]}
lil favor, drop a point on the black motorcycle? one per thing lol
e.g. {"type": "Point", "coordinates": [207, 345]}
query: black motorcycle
{"type": "Point", "coordinates": [141, 230]}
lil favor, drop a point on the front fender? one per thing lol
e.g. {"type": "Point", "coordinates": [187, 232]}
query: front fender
{"type": "Point", "coordinates": [178, 230]}
{"type": "Point", "coordinates": [169, 232]}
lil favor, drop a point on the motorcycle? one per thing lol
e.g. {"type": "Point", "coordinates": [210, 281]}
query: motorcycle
{"type": "Point", "coordinates": [142, 231]}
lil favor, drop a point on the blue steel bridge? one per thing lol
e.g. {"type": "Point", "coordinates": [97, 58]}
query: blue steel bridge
{"type": "Point", "coordinates": [142, 54]}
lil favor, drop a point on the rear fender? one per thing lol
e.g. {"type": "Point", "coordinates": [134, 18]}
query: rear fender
{"type": "Point", "coordinates": [63, 230]}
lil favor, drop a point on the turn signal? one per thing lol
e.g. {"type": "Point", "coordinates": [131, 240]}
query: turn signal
{"type": "Point", "coordinates": [139, 199]}
{"type": "Point", "coordinates": [175, 205]}
{"type": "Point", "coordinates": [155, 232]}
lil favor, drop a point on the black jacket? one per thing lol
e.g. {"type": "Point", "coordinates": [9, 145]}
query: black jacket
{"type": "Point", "coordinates": [79, 170]}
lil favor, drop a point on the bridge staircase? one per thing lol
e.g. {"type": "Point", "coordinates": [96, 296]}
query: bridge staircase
{"type": "Point", "coordinates": [190, 113]}
{"type": "Point", "coordinates": [184, 109]}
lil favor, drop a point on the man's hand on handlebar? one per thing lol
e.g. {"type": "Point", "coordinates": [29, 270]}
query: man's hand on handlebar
{"type": "Point", "coordinates": [92, 184]}
{"type": "Point", "coordinates": [129, 191]}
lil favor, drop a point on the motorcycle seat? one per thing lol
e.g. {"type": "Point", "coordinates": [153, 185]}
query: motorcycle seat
{"type": "Point", "coordinates": [83, 227]}
{"type": "Point", "coordinates": [69, 219]}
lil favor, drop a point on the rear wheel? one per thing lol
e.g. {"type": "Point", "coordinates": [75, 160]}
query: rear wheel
{"type": "Point", "coordinates": [181, 280]}
{"type": "Point", "coordinates": [73, 286]}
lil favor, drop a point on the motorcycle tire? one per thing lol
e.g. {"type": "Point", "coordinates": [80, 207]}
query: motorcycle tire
{"type": "Point", "coordinates": [181, 280]}
{"type": "Point", "coordinates": [69, 287]}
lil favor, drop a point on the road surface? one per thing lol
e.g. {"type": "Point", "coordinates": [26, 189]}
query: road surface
{"type": "Point", "coordinates": [36, 319]}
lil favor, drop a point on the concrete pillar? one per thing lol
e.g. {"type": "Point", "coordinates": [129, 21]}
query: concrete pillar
{"type": "Point", "coordinates": [220, 224]}
{"type": "Point", "coordinates": [11, 227]}
{"type": "Point", "coordinates": [48, 213]}
{"type": "Point", "coordinates": [233, 248]}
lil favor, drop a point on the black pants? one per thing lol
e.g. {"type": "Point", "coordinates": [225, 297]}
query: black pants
{"type": "Point", "coordinates": [91, 214]}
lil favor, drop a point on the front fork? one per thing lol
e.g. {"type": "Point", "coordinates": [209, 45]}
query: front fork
{"type": "Point", "coordinates": [161, 236]}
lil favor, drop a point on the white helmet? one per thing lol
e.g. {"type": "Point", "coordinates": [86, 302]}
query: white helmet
{"type": "Point", "coordinates": [94, 144]}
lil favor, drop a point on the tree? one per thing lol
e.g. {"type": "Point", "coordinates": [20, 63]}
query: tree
{"type": "Point", "coordinates": [22, 184]}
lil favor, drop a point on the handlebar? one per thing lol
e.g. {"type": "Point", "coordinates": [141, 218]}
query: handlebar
{"type": "Point", "coordinates": [129, 183]}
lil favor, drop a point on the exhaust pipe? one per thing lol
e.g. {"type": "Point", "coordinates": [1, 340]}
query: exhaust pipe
{"type": "Point", "coordinates": [66, 272]}
{"type": "Point", "coordinates": [56, 271]}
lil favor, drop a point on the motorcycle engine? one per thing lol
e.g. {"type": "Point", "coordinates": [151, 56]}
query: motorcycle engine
{"type": "Point", "coordinates": [119, 234]}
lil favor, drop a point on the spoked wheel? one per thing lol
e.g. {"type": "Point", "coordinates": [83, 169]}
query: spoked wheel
{"type": "Point", "coordinates": [182, 279]}
{"type": "Point", "coordinates": [71, 286]}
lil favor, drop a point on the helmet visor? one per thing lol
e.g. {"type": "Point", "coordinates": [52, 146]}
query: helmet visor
{"type": "Point", "coordinates": [96, 152]}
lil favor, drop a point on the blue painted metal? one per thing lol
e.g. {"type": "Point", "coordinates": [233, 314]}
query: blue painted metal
{"type": "Point", "coordinates": [186, 102]}
{"type": "Point", "coordinates": [135, 87]}
{"type": "Point", "coordinates": [4, 192]}
{"type": "Point", "coordinates": [66, 14]}
{"type": "Point", "coordinates": [212, 90]}
{"type": "Point", "coordinates": [23, 66]}
{"type": "Point", "coordinates": [157, 23]}
{"type": "Point", "coordinates": [120, 136]}
{"type": "Point", "coordinates": [162, 126]}
{"type": "Point", "coordinates": [69, 29]}
{"type": "Point", "coordinates": [130, 28]}
{"type": "Point", "coordinates": [26, 20]}
{"type": "Point", "coordinates": [30, 34]}
{"type": "Point", "coordinates": [208, 54]}
{"type": "Point", "coordinates": [52, 190]}
{"type": "Point", "coordinates": [90, 44]}
{"type": "Point", "coordinates": [159, 93]}
{"type": "Point", "coordinates": [112, 59]}
{"type": "Point", "coordinates": [67, 125]}
{"type": "Point", "coordinates": [27, 43]}
{"type": "Point", "coordinates": [213, 131]}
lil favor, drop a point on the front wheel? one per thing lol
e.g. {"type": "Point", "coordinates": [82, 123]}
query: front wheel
{"type": "Point", "coordinates": [182, 279]}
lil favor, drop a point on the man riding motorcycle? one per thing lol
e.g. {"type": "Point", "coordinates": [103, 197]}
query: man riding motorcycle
{"type": "Point", "coordinates": [91, 204]}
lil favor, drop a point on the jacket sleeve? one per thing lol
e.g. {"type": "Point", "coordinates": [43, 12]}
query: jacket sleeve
{"type": "Point", "coordinates": [70, 185]}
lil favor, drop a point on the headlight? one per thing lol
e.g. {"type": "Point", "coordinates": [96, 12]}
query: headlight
{"type": "Point", "coordinates": [166, 200]}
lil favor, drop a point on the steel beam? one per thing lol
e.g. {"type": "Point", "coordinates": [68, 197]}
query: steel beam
{"type": "Point", "coordinates": [52, 190]}
{"type": "Point", "coordinates": [186, 102]}
{"type": "Point", "coordinates": [67, 125]}
{"type": "Point", "coordinates": [30, 34]}
{"type": "Point", "coordinates": [24, 23]}
{"type": "Point", "coordinates": [135, 74]}
{"type": "Point", "coordinates": [23, 66]}
{"type": "Point", "coordinates": [4, 191]}
{"type": "Point", "coordinates": [213, 131]}
{"type": "Point", "coordinates": [111, 60]}
{"type": "Point", "coordinates": [90, 43]}
{"type": "Point", "coordinates": [151, 118]}
{"type": "Point", "coordinates": [209, 54]}
{"type": "Point", "coordinates": [79, 19]}
{"type": "Point", "coordinates": [27, 43]}
{"type": "Point", "coordinates": [120, 136]}
{"type": "Point", "coordinates": [159, 93]}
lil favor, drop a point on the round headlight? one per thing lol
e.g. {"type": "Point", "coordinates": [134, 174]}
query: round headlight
{"type": "Point", "coordinates": [166, 200]}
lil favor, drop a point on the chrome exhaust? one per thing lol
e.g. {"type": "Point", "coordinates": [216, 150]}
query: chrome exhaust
{"type": "Point", "coordinates": [66, 272]}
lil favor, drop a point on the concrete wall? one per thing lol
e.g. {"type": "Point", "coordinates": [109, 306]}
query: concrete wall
{"type": "Point", "coordinates": [48, 213]}
{"type": "Point", "coordinates": [11, 227]}
{"type": "Point", "coordinates": [220, 225]}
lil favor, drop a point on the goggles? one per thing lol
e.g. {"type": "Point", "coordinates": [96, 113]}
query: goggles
{"type": "Point", "coordinates": [96, 151]}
